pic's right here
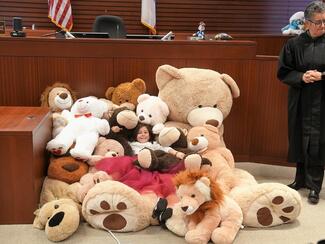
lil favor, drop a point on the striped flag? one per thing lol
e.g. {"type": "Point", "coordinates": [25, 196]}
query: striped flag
{"type": "Point", "coordinates": [148, 15]}
{"type": "Point", "coordinates": [60, 13]}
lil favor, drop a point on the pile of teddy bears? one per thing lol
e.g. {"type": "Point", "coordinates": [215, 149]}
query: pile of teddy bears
{"type": "Point", "coordinates": [211, 199]}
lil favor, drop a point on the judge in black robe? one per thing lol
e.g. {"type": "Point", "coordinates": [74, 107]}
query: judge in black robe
{"type": "Point", "coordinates": [302, 68]}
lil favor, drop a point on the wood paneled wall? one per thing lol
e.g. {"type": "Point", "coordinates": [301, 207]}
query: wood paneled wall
{"type": "Point", "coordinates": [241, 16]}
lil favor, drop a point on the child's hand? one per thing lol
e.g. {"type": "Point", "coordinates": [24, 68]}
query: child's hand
{"type": "Point", "coordinates": [180, 155]}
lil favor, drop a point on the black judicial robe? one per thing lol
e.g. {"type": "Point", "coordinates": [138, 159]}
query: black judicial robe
{"type": "Point", "coordinates": [306, 107]}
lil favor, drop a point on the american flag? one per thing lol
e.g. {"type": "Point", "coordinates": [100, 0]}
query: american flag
{"type": "Point", "coordinates": [60, 13]}
{"type": "Point", "coordinates": [148, 14]}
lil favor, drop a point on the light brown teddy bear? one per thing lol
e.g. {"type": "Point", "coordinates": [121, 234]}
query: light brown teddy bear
{"type": "Point", "coordinates": [60, 219]}
{"type": "Point", "coordinates": [263, 205]}
{"type": "Point", "coordinates": [209, 214]}
{"type": "Point", "coordinates": [195, 96]}
{"type": "Point", "coordinates": [127, 93]}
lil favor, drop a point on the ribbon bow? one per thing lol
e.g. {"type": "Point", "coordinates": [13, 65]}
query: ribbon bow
{"type": "Point", "coordinates": [87, 115]}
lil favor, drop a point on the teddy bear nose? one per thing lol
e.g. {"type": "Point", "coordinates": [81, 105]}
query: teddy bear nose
{"type": "Point", "coordinates": [63, 95]}
{"type": "Point", "coordinates": [114, 154]}
{"type": "Point", "coordinates": [195, 142]}
{"type": "Point", "coordinates": [213, 122]}
{"type": "Point", "coordinates": [141, 117]}
{"type": "Point", "coordinates": [185, 208]}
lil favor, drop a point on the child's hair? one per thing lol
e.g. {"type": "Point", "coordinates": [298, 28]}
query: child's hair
{"type": "Point", "coordinates": [138, 127]}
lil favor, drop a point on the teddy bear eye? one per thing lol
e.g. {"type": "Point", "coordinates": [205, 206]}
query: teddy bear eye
{"type": "Point", "coordinates": [127, 100]}
{"type": "Point", "coordinates": [202, 135]}
{"type": "Point", "coordinates": [200, 106]}
{"type": "Point", "coordinates": [87, 102]}
{"type": "Point", "coordinates": [56, 206]}
{"type": "Point", "coordinates": [141, 110]}
{"type": "Point", "coordinates": [215, 106]}
{"type": "Point", "coordinates": [150, 115]}
{"type": "Point", "coordinates": [193, 195]}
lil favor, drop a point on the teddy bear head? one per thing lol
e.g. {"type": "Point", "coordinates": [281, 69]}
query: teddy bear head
{"type": "Point", "coordinates": [200, 138]}
{"type": "Point", "coordinates": [58, 97]}
{"type": "Point", "coordinates": [195, 96]}
{"type": "Point", "coordinates": [195, 189]}
{"type": "Point", "coordinates": [89, 106]}
{"type": "Point", "coordinates": [60, 219]}
{"type": "Point", "coordinates": [151, 110]}
{"type": "Point", "coordinates": [66, 169]}
{"type": "Point", "coordinates": [112, 148]}
{"type": "Point", "coordinates": [127, 93]}
{"type": "Point", "coordinates": [122, 122]}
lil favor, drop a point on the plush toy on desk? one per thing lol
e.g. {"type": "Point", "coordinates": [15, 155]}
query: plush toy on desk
{"type": "Point", "coordinates": [209, 213]}
{"type": "Point", "coordinates": [60, 219]}
{"type": "Point", "coordinates": [58, 97]}
{"type": "Point", "coordinates": [199, 35]}
{"type": "Point", "coordinates": [84, 128]}
{"type": "Point", "coordinates": [127, 93]}
{"type": "Point", "coordinates": [296, 24]}
{"type": "Point", "coordinates": [208, 95]}
{"type": "Point", "coordinates": [153, 111]}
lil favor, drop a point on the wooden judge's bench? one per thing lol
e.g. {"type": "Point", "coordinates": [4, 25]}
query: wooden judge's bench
{"type": "Point", "coordinates": [255, 130]}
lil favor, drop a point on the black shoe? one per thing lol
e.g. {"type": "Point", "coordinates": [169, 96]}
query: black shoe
{"type": "Point", "coordinates": [160, 208]}
{"type": "Point", "coordinates": [313, 197]}
{"type": "Point", "coordinates": [164, 216]}
{"type": "Point", "coordinates": [296, 185]}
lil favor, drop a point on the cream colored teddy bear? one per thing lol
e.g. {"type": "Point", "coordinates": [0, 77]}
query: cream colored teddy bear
{"type": "Point", "coordinates": [195, 96]}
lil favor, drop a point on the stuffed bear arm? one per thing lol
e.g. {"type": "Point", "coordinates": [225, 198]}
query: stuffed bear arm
{"type": "Point", "coordinates": [158, 128]}
{"type": "Point", "coordinates": [102, 126]}
{"type": "Point", "coordinates": [67, 115]}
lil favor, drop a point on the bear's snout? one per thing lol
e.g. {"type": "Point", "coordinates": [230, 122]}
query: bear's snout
{"type": "Point", "coordinates": [185, 208]}
{"type": "Point", "coordinates": [56, 219]}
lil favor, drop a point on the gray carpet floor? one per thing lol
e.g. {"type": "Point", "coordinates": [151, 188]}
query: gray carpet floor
{"type": "Point", "coordinates": [309, 228]}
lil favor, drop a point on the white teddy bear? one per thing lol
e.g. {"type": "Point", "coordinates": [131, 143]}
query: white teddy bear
{"type": "Point", "coordinates": [296, 24]}
{"type": "Point", "coordinates": [153, 111]}
{"type": "Point", "coordinates": [83, 128]}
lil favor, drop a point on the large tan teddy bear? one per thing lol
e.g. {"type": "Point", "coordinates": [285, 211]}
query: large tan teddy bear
{"type": "Point", "coordinates": [195, 96]}
{"type": "Point", "coordinates": [263, 205]}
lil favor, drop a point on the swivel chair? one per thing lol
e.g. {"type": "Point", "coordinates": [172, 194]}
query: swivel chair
{"type": "Point", "coordinates": [113, 25]}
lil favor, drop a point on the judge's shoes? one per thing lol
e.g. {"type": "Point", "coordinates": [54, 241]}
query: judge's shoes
{"type": "Point", "coordinates": [296, 185]}
{"type": "Point", "coordinates": [313, 197]}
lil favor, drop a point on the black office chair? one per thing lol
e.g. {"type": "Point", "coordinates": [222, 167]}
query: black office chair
{"type": "Point", "coordinates": [113, 25]}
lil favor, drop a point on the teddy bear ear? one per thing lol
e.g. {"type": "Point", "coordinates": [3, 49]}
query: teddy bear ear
{"type": "Point", "coordinates": [232, 85]}
{"type": "Point", "coordinates": [166, 73]}
{"type": "Point", "coordinates": [139, 84]}
{"type": "Point", "coordinates": [109, 92]}
{"type": "Point", "coordinates": [143, 97]}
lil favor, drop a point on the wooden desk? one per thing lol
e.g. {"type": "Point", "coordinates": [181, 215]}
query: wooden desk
{"type": "Point", "coordinates": [255, 130]}
{"type": "Point", "coordinates": [24, 132]}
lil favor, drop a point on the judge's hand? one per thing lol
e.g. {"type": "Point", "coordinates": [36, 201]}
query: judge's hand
{"type": "Point", "coordinates": [311, 76]}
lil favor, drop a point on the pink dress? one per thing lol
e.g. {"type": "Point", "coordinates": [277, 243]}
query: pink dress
{"type": "Point", "coordinates": [123, 170]}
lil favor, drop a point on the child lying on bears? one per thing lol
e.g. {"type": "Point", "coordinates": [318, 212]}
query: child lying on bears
{"type": "Point", "coordinates": [151, 155]}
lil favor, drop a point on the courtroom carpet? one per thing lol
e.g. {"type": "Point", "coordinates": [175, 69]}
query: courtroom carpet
{"type": "Point", "coordinates": [309, 228]}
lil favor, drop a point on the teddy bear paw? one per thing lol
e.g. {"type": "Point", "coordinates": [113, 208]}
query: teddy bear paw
{"type": "Point", "coordinates": [277, 204]}
{"type": "Point", "coordinates": [195, 237]}
{"type": "Point", "coordinates": [80, 155]}
{"type": "Point", "coordinates": [158, 128]}
{"type": "Point", "coordinates": [111, 205]}
{"type": "Point", "coordinates": [144, 158]}
{"type": "Point", "coordinates": [193, 162]}
{"type": "Point", "coordinates": [220, 236]}
{"type": "Point", "coordinates": [56, 148]}
{"type": "Point", "coordinates": [168, 136]}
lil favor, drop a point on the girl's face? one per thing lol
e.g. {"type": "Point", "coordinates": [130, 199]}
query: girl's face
{"type": "Point", "coordinates": [143, 135]}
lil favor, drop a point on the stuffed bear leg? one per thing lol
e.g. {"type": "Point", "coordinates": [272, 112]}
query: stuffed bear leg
{"type": "Point", "coordinates": [85, 145]}
{"type": "Point", "coordinates": [266, 204]}
{"type": "Point", "coordinates": [62, 142]}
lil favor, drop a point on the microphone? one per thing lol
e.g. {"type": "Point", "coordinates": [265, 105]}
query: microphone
{"type": "Point", "coordinates": [168, 36]}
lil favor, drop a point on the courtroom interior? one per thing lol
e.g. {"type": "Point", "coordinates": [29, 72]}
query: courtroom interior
{"type": "Point", "coordinates": [79, 78]}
